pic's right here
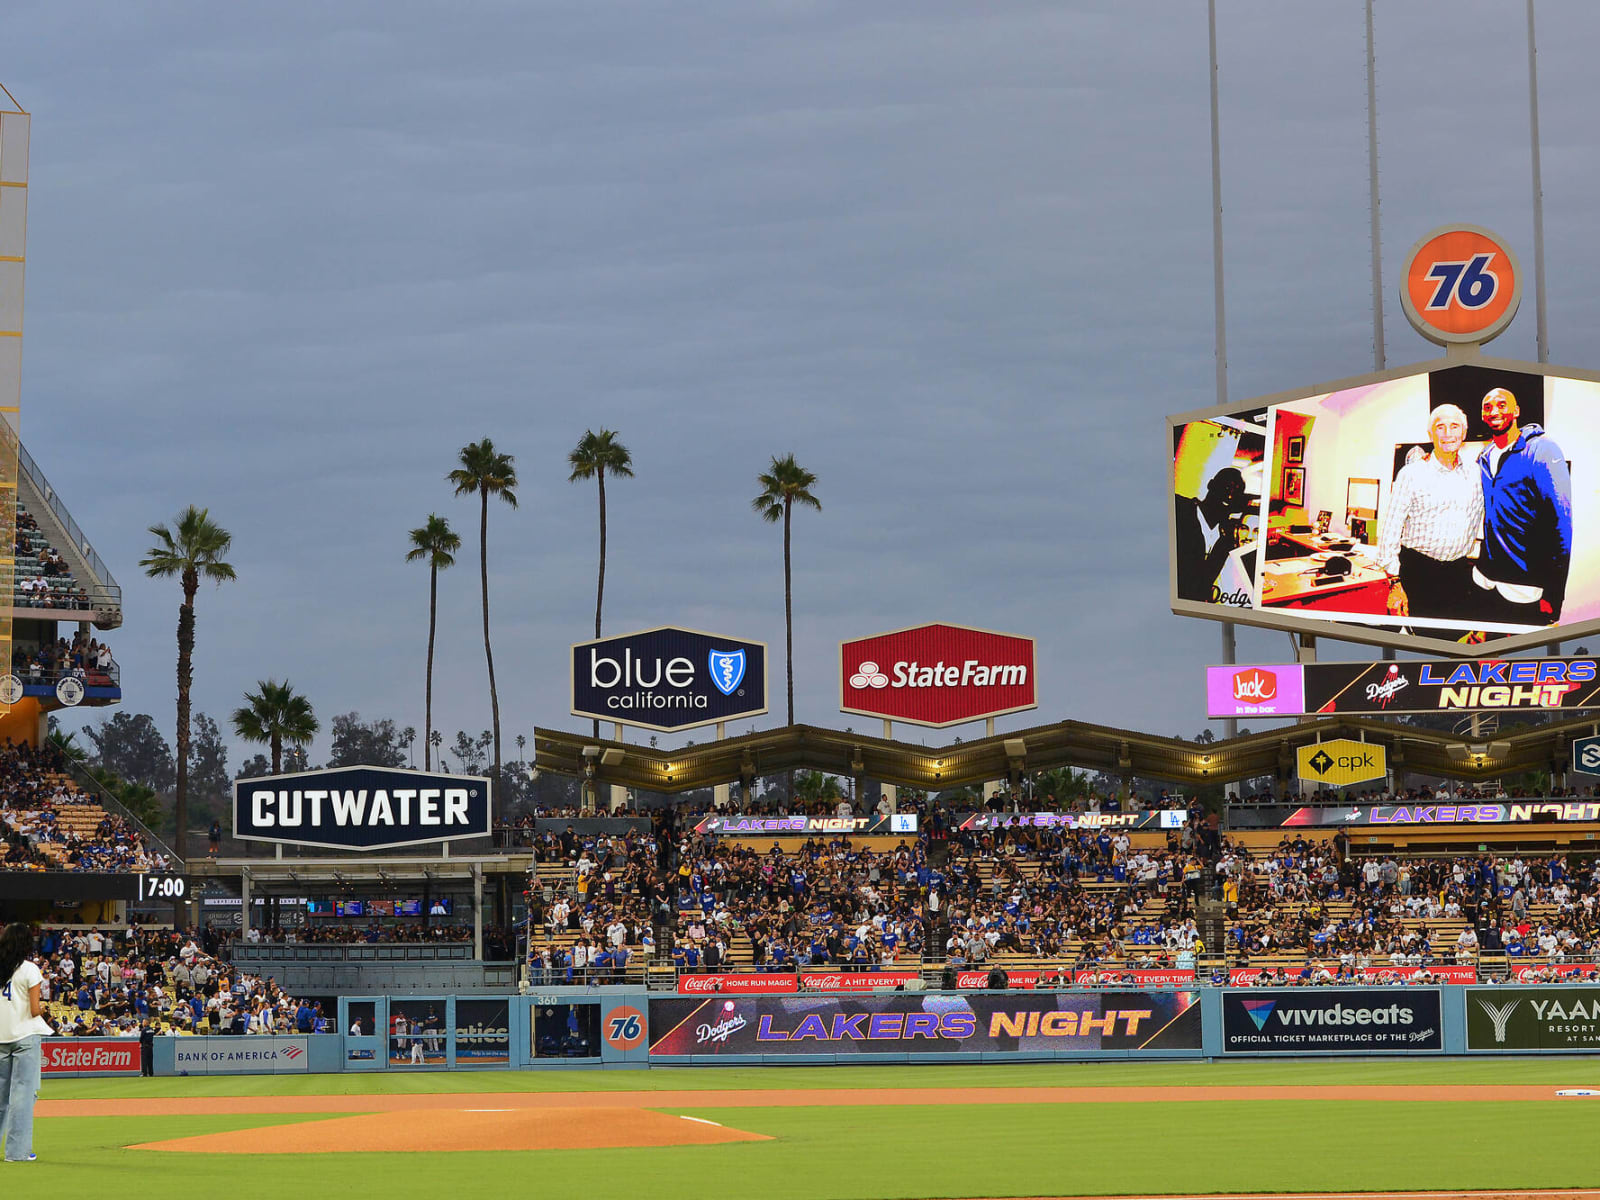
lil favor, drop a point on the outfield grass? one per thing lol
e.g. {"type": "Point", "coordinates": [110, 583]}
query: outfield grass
{"type": "Point", "coordinates": [1581, 1070]}
{"type": "Point", "coordinates": [884, 1153]}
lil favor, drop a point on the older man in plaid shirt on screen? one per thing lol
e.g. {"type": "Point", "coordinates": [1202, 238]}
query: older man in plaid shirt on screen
{"type": "Point", "coordinates": [1434, 516]}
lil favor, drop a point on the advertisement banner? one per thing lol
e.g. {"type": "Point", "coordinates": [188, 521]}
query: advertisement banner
{"type": "Point", "coordinates": [855, 981]}
{"type": "Point", "coordinates": [937, 675]}
{"type": "Point", "coordinates": [669, 678]}
{"type": "Point", "coordinates": [892, 825]}
{"type": "Point", "coordinates": [1027, 980]}
{"type": "Point", "coordinates": [1276, 691]}
{"type": "Point", "coordinates": [1509, 812]}
{"type": "Point", "coordinates": [1440, 972]}
{"type": "Point", "coordinates": [1168, 818]}
{"type": "Point", "coordinates": [736, 984]}
{"type": "Point", "coordinates": [1340, 762]}
{"type": "Point", "coordinates": [1535, 1018]}
{"type": "Point", "coordinates": [361, 808]}
{"type": "Point", "coordinates": [1423, 510]}
{"type": "Point", "coordinates": [90, 1056]}
{"type": "Point", "coordinates": [1385, 688]}
{"type": "Point", "coordinates": [902, 1023]}
{"type": "Point", "coordinates": [1586, 756]}
{"type": "Point", "coordinates": [266, 1055]}
{"type": "Point", "coordinates": [483, 1032]}
{"type": "Point", "coordinates": [1328, 1020]}
{"type": "Point", "coordinates": [1556, 972]}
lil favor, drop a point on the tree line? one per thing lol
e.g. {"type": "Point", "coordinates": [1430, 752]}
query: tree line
{"type": "Point", "coordinates": [194, 548]}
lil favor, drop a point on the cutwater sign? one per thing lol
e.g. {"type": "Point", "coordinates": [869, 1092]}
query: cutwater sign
{"type": "Point", "coordinates": [361, 808]}
{"type": "Point", "coordinates": [239, 1055]}
{"type": "Point", "coordinates": [669, 678]}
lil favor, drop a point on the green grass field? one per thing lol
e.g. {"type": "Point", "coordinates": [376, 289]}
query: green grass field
{"type": "Point", "coordinates": [876, 1153]}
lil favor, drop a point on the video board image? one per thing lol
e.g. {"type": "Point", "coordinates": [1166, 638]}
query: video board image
{"type": "Point", "coordinates": [1218, 469]}
{"type": "Point", "coordinates": [1449, 503]}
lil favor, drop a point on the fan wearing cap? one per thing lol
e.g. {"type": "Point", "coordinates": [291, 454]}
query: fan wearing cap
{"type": "Point", "coordinates": [1430, 524]}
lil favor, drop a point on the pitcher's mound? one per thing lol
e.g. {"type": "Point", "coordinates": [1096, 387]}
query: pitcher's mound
{"type": "Point", "coordinates": [467, 1129]}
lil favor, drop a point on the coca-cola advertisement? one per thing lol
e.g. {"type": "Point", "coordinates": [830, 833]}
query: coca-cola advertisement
{"type": "Point", "coordinates": [855, 981]}
{"type": "Point", "coordinates": [90, 1056]}
{"type": "Point", "coordinates": [1074, 1023]}
{"type": "Point", "coordinates": [1565, 971]}
{"type": "Point", "coordinates": [736, 985]}
{"type": "Point", "coordinates": [937, 675]}
{"type": "Point", "coordinates": [1440, 972]}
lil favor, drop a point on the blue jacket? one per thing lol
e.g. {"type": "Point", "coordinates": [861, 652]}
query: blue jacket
{"type": "Point", "coordinates": [1527, 516]}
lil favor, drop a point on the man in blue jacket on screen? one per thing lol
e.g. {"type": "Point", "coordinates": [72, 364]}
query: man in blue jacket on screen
{"type": "Point", "coordinates": [1527, 520]}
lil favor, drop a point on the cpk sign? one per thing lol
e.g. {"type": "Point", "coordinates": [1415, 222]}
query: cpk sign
{"type": "Point", "coordinates": [669, 678]}
{"type": "Point", "coordinates": [937, 675]}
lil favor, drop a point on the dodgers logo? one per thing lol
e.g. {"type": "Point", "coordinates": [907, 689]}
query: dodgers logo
{"type": "Point", "coordinates": [727, 670]}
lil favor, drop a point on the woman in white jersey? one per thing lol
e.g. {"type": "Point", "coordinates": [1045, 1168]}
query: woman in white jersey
{"type": "Point", "coordinates": [22, 1024]}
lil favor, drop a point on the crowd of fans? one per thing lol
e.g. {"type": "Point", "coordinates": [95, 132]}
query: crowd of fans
{"type": "Point", "coordinates": [39, 807]}
{"type": "Point", "coordinates": [113, 983]}
{"type": "Point", "coordinates": [42, 577]}
{"type": "Point", "coordinates": [1088, 898]}
{"type": "Point", "coordinates": [83, 657]}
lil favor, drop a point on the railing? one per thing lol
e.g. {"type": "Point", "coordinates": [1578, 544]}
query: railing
{"type": "Point", "coordinates": [94, 599]}
{"type": "Point", "coordinates": [113, 673]}
{"type": "Point", "coordinates": [111, 804]}
{"type": "Point", "coordinates": [350, 952]}
{"type": "Point", "coordinates": [80, 540]}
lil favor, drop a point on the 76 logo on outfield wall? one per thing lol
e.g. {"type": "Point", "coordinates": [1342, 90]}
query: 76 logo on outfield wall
{"type": "Point", "coordinates": [1460, 284]}
{"type": "Point", "coordinates": [623, 1027]}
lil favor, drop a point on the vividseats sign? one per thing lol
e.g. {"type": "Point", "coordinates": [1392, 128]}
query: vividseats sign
{"type": "Point", "coordinates": [361, 808]}
{"type": "Point", "coordinates": [1332, 1020]}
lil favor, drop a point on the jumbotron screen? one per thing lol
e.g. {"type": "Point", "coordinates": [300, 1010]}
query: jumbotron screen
{"type": "Point", "coordinates": [1458, 505]}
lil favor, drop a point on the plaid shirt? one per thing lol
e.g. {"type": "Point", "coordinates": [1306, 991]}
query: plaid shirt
{"type": "Point", "coordinates": [1434, 510]}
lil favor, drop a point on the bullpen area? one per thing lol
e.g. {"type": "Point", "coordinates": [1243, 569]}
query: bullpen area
{"type": "Point", "coordinates": [1506, 1126]}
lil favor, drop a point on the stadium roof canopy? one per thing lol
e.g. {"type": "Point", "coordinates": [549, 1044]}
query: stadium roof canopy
{"type": "Point", "coordinates": [1045, 747]}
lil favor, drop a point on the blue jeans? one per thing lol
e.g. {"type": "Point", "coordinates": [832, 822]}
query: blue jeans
{"type": "Point", "coordinates": [20, 1062]}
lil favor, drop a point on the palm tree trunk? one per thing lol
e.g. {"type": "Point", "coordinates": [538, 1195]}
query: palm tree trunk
{"type": "Point", "coordinates": [488, 653]}
{"type": "Point", "coordinates": [600, 588]}
{"type": "Point", "coordinates": [427, 703]}
{"type": "Point", "coordinates": [180, 804]}
{"type": "Point", "coordinates": [788, 610]}
{"type": "Point", "coordinates": [277, 753]}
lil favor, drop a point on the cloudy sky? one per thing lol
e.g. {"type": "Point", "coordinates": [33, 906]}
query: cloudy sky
{"type": "Point", "coordinates": [285, 259]}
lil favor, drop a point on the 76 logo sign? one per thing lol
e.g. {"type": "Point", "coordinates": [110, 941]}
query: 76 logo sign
{"type": "Point", "coordinates": [623, 1027]}
{"type": "Point", "coordinates": [1470, 284]}
{"type": "Point", "coordinates": [1461, 285]}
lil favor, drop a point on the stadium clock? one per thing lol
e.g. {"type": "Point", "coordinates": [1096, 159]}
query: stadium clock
{"type": "Point", "coordinates": [163, 886]}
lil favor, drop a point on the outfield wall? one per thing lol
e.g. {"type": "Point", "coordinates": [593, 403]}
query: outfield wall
{"type": "Point", "coordinates": [621, 1027]}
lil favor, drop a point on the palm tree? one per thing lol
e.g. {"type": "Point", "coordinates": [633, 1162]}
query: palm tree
{"type": "Point", "coordinates": [437, 543]}
{"type": "Point", "coordinates": [486, 471]}
{"type": "Point", "coordinates": [192, 548]}
{"type": "Point", "coordinates": [783, 485]}
{"type": "Point", "coordinates": [275, 713]}
{"type": "Point", "coordinates": [594, 455]}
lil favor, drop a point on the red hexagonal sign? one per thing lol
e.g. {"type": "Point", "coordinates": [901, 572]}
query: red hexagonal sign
{"type": "Point", "coordinates": [937, 675]}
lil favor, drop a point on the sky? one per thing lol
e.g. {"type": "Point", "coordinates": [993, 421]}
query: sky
{"type": "Point", "coordinates": [285, 260]}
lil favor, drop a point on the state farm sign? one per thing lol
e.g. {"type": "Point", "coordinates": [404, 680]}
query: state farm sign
{"type": "Point", "coordinates": [937, 675]}
{"type": "Point", "coordinates": [89, 1056]}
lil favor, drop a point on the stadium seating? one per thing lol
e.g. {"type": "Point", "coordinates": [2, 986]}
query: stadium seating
{"type": "Point", "coordinates": [50, 824]}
